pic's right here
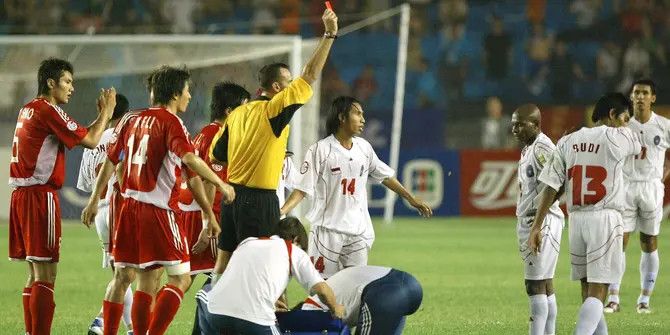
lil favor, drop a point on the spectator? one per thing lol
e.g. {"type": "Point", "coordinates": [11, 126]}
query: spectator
{"type": "Point", "coordinates": [585, 12]}
{"type": "Point", "coordinates": [428, 87]}
{"type": "Point", "coordinates": [636, 64]}
{"type": "Point", "coordinates": [453, 14]}
{"type": "Point", "coordinates": [497, 47]}
{"type": "Point", "coordinates": [452, 63]}
{"type": "Point", "coordinates": [495, 127]}
{"type": "Point", "coordinates": [290, 20]}
{"type": "Point", "coordinates": [181, 12]}
{"type": "Point", "coordinates": [264, 20]}
{"type": "Point", "coordinates": [365, 86]}
{"type": "Point", "coordinates": [536, 11]}
{"type": "Point", "coordinates": [564, 72]}
{"type": "Point", "coordinates": [650, 43]}
{"type": "Point", "coordinates": [608, 62]}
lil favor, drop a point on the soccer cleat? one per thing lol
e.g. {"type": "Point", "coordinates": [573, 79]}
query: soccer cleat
{"type": "Point", "coordinates": [612, 307]}
{"type": "Point", "coordinates": [130, 332]}
{"type": "Point", "coordinates": [96, 327]}
{"type": "Point", "coordinates": [643, 308]}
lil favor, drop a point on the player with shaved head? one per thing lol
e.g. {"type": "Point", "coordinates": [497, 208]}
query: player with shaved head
{"type": "Point", "coordinates": [538, 268]}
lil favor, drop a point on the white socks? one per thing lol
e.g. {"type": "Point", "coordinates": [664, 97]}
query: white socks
{"type": "Point", "coordinates": [589, 315]}
{"type": "Point", "coordinates": [538, 314]}
{"type": "Point", "coordinates": [552, 311]}
{"type": "Point", "coordinates": [614, 287]}
{"type": "Point", "coordinates": [127, 304]}
{"type": "Point", "coordinates": [648, 271]}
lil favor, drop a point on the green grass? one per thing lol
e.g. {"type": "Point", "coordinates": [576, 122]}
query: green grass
{"type": "Point", "coordinates": [469, 268]}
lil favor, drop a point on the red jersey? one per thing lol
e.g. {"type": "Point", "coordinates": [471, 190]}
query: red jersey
{"type": "Point", "coordinates": [202, 143]}
{"type": "Point", "coordinates": [151, 142]}
{"type": "Point", "coordinates": [42, 132]}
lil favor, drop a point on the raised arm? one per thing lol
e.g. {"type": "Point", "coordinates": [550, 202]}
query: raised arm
{"type": "Point", "coordinates": [106, 103]}
{"type": "Point", "coordinates": [394, 185]}
{"type": "Point", "coordinates": [327, 296]}
{"type": "Point", "coordinates": [315, 64]}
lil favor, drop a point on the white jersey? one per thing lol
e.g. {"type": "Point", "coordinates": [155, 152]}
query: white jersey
{"type": "Point", "coordinates": [91, 161]}
{"type": "Point", "coordinates": [654, 137]}
{"type": "Point", "coordinates": [533, 159]}
{"type": "Point", "coordinates": [589, 162]}
{"type": "Point", "coordinates": [289, 177]}
{"type": "Point", "coordinates": [257, 274]}
{"type": "Point", "coordinates": [348, 286]}
{"type": "Point", "coordinates": [336, 180]}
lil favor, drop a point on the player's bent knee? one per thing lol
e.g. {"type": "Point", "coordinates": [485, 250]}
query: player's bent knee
{"type": "Point", "coordinates": [535, 287]}
{"type": "Point", "coordinates": [182, 281]}
{"type": "Point", "coordinates": [124, 276]}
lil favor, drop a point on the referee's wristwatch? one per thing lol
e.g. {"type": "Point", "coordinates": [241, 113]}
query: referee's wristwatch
{"type": "Point", "coordinates": [330, 34]}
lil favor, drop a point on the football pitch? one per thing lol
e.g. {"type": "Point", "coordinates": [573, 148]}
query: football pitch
{"type": "Point", "coordinates": [469, 269]}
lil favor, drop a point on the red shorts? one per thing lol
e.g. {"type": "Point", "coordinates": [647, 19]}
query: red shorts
{"type": "Point", "coordinates": [115, 205]}
{"type": "Point", "coordinates": [204, 261]}
{"type": "Point", "coordinates": [34, 224]}
{"type": "Point", "coordinates": [148, 236]}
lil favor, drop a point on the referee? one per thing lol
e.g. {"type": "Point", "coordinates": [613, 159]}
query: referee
{"type": "Point", "coordinates": [253, 143]}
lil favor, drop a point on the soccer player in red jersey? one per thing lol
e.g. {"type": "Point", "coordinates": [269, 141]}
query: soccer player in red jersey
{"type": "Point", "coordinates": [37, 171]}
{"type": "Point", "coordinates": [226, 96]}
{"type": "Point", "coordinates": [153, 144]}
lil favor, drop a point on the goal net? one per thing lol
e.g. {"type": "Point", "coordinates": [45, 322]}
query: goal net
{"type": "Point", "coordinates": [124, 62]}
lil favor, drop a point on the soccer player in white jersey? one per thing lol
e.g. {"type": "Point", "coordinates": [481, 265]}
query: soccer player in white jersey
{"type": "Point", "coordinates": [91, 162]}
{"type": "Point", "coordinates": [538, 269]}
{"type": "Point", "coordinates": [643, 175]}
{"type": "Point", "coordinates": [335, 173]}
{"type": "Point", "coordinates": [589, 164]}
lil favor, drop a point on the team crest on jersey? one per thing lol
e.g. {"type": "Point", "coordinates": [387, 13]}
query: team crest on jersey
{"type": "Point", "coordinates": [27, 113]}
{"type": "Point", "coordinates": [304, 167]}
{"type": "Point", "coordinates": [72, 126]}
{"type": "Point", "coordinates": [529, 171]}
{"type": "Point", "coordinates": [217, 167]}
{"type": "Point", "coordinates": [657, 139]}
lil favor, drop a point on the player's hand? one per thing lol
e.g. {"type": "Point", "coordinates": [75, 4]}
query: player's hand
{"type": "Point", "coordinates": [282, 211]}
{"type": "Point", "coordinates": [88, 214]}
{"type": "Point", "coordinates": [202, 243]}
{"type": "Point", "coordinates": [281, 305]}
{"type": "Point", "coordinates": [228, 193]}
{"type": "Point", "coordinates": [338, 311]}
{"type": "Point", "coordinates": [422, 207]}
{"type": "Point", "coordinates": [329, 21]}
{"type": "Point", "coordinates": [107, 102]}
{"type": "Point", "coordinates": [214, 228]}
{"type": "Point", "coordinates": [535, 240]}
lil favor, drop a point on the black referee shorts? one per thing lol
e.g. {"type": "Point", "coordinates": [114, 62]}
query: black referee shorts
{"type": "Point", "coordinates": [254, 213]}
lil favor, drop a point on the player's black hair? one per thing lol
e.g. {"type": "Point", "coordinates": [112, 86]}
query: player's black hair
{"type": "Point", "coordinates": [167, 82]}
{"type": "Point", "coordinates": [51, 68]}
{"type": "Point", "coordinates": [290, 228]}
{"type": "Point", "coordinates": [150, 81]}
{"type": "Point", "coordinates": [644, 81]}
{"type": "Point", "coordinates": [121, 107]}
{"type": "Point", "coordinates": [269, 74]}
{"type": "Point", "coordinates": [610, 101]}
{"type": "Point", "coordinates": [226, 95]}
{"type": "Point", "coordinates": [341, 106]}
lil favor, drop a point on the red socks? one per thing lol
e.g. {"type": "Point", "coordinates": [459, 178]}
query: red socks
{"type": "Point", "coordinates": [111, 313]}
{"type": "Point", "coordinates": [26, 309]}
{"type": "Point", "coordinates": [42, 307]}
{"type": "Point", "coordinates": [167, 304]}
{"type": "Point", "coordinates": [140, 313]}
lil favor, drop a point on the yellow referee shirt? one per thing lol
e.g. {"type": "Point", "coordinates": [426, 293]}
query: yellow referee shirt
{"type": "Point", "coordinates": [254, 137]}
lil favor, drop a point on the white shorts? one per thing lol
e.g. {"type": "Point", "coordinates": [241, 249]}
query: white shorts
{"type": "Point", "coordinates": [102, 228]}
{"type": "Point", "coordinates": [332, 251]}
{"type": "Point", "coordinates": [596, 245]}
{"type": "Point", "coordinates": [643, 208]}
{"type": "Point", "coordinates": [542, 265]}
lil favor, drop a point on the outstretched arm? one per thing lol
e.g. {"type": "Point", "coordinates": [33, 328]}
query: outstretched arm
{"type": "Point", "coordinates": [394, 185]}
{"type": "Point", "coordinates": [315, 64]}
{"type": "Point", "coordinates": [293, 200]}
{"type": "Point", "coordinates": [106, 103]}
